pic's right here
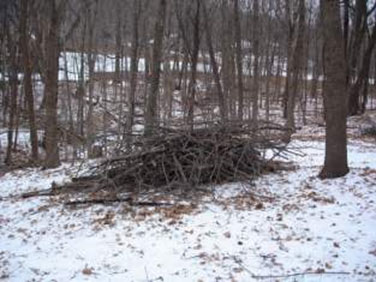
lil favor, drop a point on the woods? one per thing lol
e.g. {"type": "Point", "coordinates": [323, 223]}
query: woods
{"type": "Point", "coordinates": [97, 70]}
{"type": "Point", "coordinates": [187, 140]}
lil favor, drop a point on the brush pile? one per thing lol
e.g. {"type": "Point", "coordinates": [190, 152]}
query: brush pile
{"type": "Point", "coordinates": [183, 160]}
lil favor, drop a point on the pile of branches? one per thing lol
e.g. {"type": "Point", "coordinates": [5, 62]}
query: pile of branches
{"type": "Point", "coordinates": [185, 160]}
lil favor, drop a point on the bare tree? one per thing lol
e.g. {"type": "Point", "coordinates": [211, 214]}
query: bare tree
{"type": "Point", "coordinates": [296, 68]}
{"type": "Point", "coordinates": [228, 69]}
{"type": "Point", "coordinates": [91, 58]}
{"type": "Point", "coordinates": [213, 61]}
{"type": "Point", "coordinates": [55, 9]}
{"type": "Point", "coordinates": [239, 59]}
{"type": "Point", "coordinates": [13, 81]}
{"type": "Point", "coordinates": [256, 53]}
{"type": "Point", "coordinates": [151, 106]}
{"type": "Point", "coordinates": [134, 66]}
{"type": "Point", "coordinates": [335, 92]}
{"type": "Point", "coordinates": [28, 87]}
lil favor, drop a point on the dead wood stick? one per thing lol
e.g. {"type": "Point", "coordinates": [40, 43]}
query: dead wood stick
{"type": "Point", "coordinates": [39, 193]}
{"type": "Point", "coordinates": [295, 274]}
{"type": "Point", "coordinates": [300, 274]}
{"type": "Point", "coordinates": [177, 163]}
{"type": "Point", "coordinates": [128, 200]}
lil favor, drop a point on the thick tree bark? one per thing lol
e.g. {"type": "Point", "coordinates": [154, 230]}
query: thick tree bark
{"type": "Point", "coordinates": [335, 92]}
{"type": "Point", "coordinates": [151, 106]}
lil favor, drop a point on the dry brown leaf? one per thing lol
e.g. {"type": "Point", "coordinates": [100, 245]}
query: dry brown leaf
{"type": "Point", "coordinates": [87, 271]}
{"type": "Point", "coordinates": [227, 234]}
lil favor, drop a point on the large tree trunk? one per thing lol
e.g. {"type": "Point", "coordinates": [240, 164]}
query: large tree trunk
{"type": "Point", "coordinates": [151, 106]}
{"type": "Point", "coordinates": [51, 88]}
{"type": "Point", "coordinates": [28, 87]}
{"type": "Point", "coordinates": [335, 92]}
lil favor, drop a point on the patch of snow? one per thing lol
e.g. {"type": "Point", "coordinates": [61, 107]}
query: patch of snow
{"type": "Point", "coordinates": [312, 225]}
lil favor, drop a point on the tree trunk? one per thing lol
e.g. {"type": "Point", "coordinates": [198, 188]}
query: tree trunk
{"type": "Point", "coordinates": [228, 65]}
{"type": "Point", "coordinates": [357, 38]}
{"type": "Point", "coordinates": [194, 60]}
{"type": "Point", "coordinates": [256, 53]}
{"type": "Point", "coordinates": [335, 92]}
{"type": "Point", "coordinates": [28, 87]}
{"type": "Point", "coordinates": [362, 79]}
{"type": "Point", "coordinates": [51, 88]}
{"type": "Point", "coordinates": [217, 78]}
{"type": "Point", "coordinates": [91, 58]}
{"type": "Point", "coordinates": [13, 80]}
{"type": "Point", "coordinates": [151, 106]}
{"type": "Point", "coordinates": [346, 22]}
{"type": "Point", "coordinates": [134, 69]}
{"type": "Point", "coordinates": [297, 59]}
{"type": "Point", "coordinates": [290, 37]}
{"type": "Point", "coordinates": [239, 59]}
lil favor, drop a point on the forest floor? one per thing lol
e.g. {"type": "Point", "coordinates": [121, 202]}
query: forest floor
{"type": "Point", "coordinates": [287, 226]}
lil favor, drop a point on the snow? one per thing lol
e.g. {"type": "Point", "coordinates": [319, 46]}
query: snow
{"type": "Point", "coordinates": [304, 225]}
{"type": "Point", "coordinates": [70, 63]}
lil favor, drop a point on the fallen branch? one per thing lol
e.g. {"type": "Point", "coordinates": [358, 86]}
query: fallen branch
{"type": "Point", "coordinates": [128, 200]}
{"type": "Point", "coordinates": [39, 193]}
{"type": "Point", "coordinates": [295, 274]}
{"type": "Point", "coordinates": [301, 274]}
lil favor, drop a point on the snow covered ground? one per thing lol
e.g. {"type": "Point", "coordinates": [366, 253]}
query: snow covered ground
{"type": "Point", "coordinates": [290, 226]}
